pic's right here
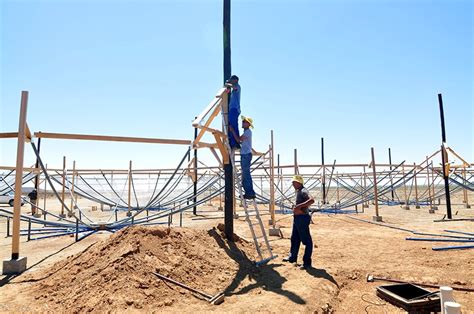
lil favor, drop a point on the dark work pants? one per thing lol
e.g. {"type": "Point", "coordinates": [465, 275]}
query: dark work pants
{"type": "Point", "coordinates": [233, 122]}
{"type": "Point", "coordinates": [300, 234]}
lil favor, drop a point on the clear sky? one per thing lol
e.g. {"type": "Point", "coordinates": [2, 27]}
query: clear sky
{"type": "Point", "coordinates": [360, 74]}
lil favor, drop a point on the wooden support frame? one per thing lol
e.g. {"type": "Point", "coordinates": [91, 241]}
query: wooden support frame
{"type": "Point", "coordinates": [20, 153]}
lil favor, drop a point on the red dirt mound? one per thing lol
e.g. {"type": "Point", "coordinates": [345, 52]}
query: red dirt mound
{"type": "Point", "coordinates": [116, 274]}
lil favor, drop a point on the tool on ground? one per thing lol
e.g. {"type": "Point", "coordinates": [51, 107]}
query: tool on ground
{"type": "Point", "coordinates": [214, 300]}
{"type": "Point", "coordinates": [371, 278]}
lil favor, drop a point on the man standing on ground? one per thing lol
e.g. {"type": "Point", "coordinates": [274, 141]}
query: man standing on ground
{"type": "Point", "coordinates": [301, 221]}
{"type": "Point", "coordinates": [246, 156]}
{"type": "Point", "coordinates": [234, 111]}
{"type": "Point", "coordinates": [33, 195]}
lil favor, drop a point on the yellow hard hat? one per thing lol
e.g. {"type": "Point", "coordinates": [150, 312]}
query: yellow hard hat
{"type": "Point", "coordinates": [249, 120]}
{"type": "Point", "coordinates": [298, 178]}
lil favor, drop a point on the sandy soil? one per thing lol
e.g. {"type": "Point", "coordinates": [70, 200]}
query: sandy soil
{"type": "Point", "coordinates": [64, 275]}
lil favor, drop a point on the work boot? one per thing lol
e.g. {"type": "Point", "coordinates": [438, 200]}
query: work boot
{"type": "Point", "coordinates": [288, 260]}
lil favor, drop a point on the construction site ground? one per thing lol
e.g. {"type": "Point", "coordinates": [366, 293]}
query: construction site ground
{"type": "Point", "coordinates": [113, 272]}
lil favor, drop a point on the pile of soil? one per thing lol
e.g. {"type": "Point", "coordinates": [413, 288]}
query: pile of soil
{"type": "Point", "coordinates": [116, 274]}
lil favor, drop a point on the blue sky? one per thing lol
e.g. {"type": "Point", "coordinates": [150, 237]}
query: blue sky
{"type": "Point", "coordinates": [361, 74]}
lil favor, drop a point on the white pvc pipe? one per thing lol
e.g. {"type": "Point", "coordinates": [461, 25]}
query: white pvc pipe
{"type": "Point", "coordinates": [452, 308]}
{"type": "Point", "coordinates": [446, 296]}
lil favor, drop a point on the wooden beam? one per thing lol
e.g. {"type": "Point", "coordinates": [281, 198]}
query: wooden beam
{"type": "Point", "coordinates": [222, 149]}
{"type": "Point", "coordinates": [110, 138]}
{"type": "Point", "coordinates": [214, 102]}
{"type": "Point", "coordinates": [15, 135]}
{"type": "Point", "coordinates": [211, 130]}
{"type": "Point", "coordinates": [206, 125]}
{"type": "Point", "coordinates": [20, 154]}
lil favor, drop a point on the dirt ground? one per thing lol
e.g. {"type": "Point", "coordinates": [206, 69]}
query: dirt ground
{"type": "Point", "coordinates": [62, 274]}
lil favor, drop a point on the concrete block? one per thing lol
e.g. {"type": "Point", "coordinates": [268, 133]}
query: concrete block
{"type": "Point", "coordinates": [431, 211]}
{"type": "Point", "coordinates": [274, 232]}
{"type": "Point", "coordinates": [406, 207]}
{"type": "Point", "coordinates": [14, 266]}
{"type": "Point", "coordinates": [377, 218]}
{"type": "Point", "coordinates": [417, 206]}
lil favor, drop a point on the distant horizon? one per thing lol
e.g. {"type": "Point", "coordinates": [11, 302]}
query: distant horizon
{"type": "Point", "coordinates": [361, 74]}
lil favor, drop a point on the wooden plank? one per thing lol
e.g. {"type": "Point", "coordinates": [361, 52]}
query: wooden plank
{"type": "Point", "coordinates": [206, 125]}
{"type": "Point", "coordinates": [214, 102]}
{"type": "Point", "coordinates": [211, 130]}
{"type": "Point", "coordinates": [110, 138]}
{"type": "Point", "coordinates": [28, 134]}
{"type": "Point", "coordinates": [222, 149]}
{"type": "Point", "coordinates": [20, 154]}
{"type": "Point", "coordinates": [9, 135]}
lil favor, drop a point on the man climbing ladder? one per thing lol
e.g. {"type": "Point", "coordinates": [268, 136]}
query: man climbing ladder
{"type": "Point", "coordinates": [245, 142]}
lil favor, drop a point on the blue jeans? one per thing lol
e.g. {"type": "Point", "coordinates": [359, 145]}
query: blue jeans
{"type": "Point", "coordinates": [247, 183]}
{"type": "Point", "coordinates": [234, 123]}
{"type": "Point", "coordinates": [300, 234]}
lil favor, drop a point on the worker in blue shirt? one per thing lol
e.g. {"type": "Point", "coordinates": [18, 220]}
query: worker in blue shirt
{"type": "Point", "coordinates": [234, 111]}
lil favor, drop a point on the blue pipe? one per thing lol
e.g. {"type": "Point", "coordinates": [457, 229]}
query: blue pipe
{"type": "Point", "coordinates": [461, 232]}
{"type": "Point", "coordinates": [59, 235]}
{"type": "Point", "coordinates": [438, 240]}
{"type": "Point", "coordinates": [460, 247]}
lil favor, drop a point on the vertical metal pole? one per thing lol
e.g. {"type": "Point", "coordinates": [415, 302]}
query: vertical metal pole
{"type": "Point", "coordinates": [323, 181]}
{"type": "Point", "coordinates": [8, 227]}
{"type": "Point", "coordinates": [444, 157]}
{"type": "Point", "coordinates": [195, 173]}
{"type": "Point", "coordinates": [228, 171]}
{"type": "Point", "coordinates": [376, 200]}
{"type": "Point", "coordinates": [77, 229]}
{"type": "Point", "coordinates": [391, 179]}
{"type": "Point", "coordinates": [465, 200]}
{"type": "Point", "coordinates": [34, 212]}
{"type": "Point", "coordinates": [19, 176]}
{"type": "Point", "coordinates": [29, 230]}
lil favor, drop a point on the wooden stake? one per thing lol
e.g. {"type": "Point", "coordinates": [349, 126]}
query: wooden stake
{"type": "Point", "coordinates": [129, 213]}
{"type": "Point", "coordinates": [366, 205]}
{"type": "Point", "coordinates": [466, 200]}
{"type": "Point", "coordinates": [20, 153]}
{"type": "Point", "coordinates": [72, 187]}
{"type": "Point", "coordinates": [64, 188]}
{"type": "Point", "coordinates": [45, 195]}
{"type": "Point", "coordinates": [295, 154]}
{"type": "Point", "coordinates": [405, 188]}
{"type": "Point", "coordinates": [272, 180]}
{"type": "Point", "coordinates": [323, 179]}
{"type": "Point", "coordinates": [416, 187]}
{"type": "Point", "coordinates": [376, 201]}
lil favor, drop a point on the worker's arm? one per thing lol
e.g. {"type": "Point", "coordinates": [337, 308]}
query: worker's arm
{"type": "Point", "coordinates": [307, 203]}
